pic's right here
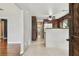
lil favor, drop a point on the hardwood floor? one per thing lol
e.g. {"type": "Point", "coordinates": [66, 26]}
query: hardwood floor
{"type": "Point", "coordinates": [9, 49]}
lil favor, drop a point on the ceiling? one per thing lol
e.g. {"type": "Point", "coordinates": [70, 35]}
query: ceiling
{"type": "Point", "coordinates": [8, 8]}
{"type": "Point", "coordinates": [40, 10]}
{"type": "Point", "coordinates": [43, 9]}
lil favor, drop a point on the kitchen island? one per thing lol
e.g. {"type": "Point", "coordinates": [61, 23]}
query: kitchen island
{"type": "Point", "coordinates": [56, 38]}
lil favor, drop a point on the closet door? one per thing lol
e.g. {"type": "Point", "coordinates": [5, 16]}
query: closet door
{"type": "Point", "coordinates": [4, 29]}
{"type": "Point", "coordinates": [0, 31]}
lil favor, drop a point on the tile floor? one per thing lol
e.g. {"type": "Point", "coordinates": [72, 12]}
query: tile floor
{"type": "Point", "coordinates": [38, 49]}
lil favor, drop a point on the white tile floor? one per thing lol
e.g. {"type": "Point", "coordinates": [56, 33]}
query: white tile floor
{"type": "Point", "coordinates": [38, 49]}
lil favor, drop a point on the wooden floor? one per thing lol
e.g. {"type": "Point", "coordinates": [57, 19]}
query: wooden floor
{"type": "Point", "coordinates": [9, 49]}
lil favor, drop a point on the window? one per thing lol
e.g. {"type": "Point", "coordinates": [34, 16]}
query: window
{"type": "Point", "coordinates": [65, 23]}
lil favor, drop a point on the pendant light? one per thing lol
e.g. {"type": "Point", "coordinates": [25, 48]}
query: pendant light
{"type": "Point", "coordinates": [50, 18]}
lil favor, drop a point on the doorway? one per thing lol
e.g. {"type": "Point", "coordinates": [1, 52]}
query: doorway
{"type": "Point", "coordinates": [37, 31]}
{"type": "Point", "coordinates": [3, 32]}
{"type": "Point", "coordinates": [40, 33]}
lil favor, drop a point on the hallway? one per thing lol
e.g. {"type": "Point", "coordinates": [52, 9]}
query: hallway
{"type": "Point", "coordinates": [38, 49]}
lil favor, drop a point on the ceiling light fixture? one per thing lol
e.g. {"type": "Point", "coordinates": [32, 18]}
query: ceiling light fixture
{"type": "Point", "coordinates": [50, 18]}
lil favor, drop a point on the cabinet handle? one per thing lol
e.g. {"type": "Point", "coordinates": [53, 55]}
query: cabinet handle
{"type": "Point", "coordinates": [67, 39]}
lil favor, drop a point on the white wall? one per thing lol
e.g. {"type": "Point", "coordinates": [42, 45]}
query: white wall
{"type": "Point", "coordinates": [27, 29]}
{"type": "Point", "coordinates": [15, 23]}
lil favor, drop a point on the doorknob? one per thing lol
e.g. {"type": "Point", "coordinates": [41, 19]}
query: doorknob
{"type": "Point", "coordinates": [67, 39]}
